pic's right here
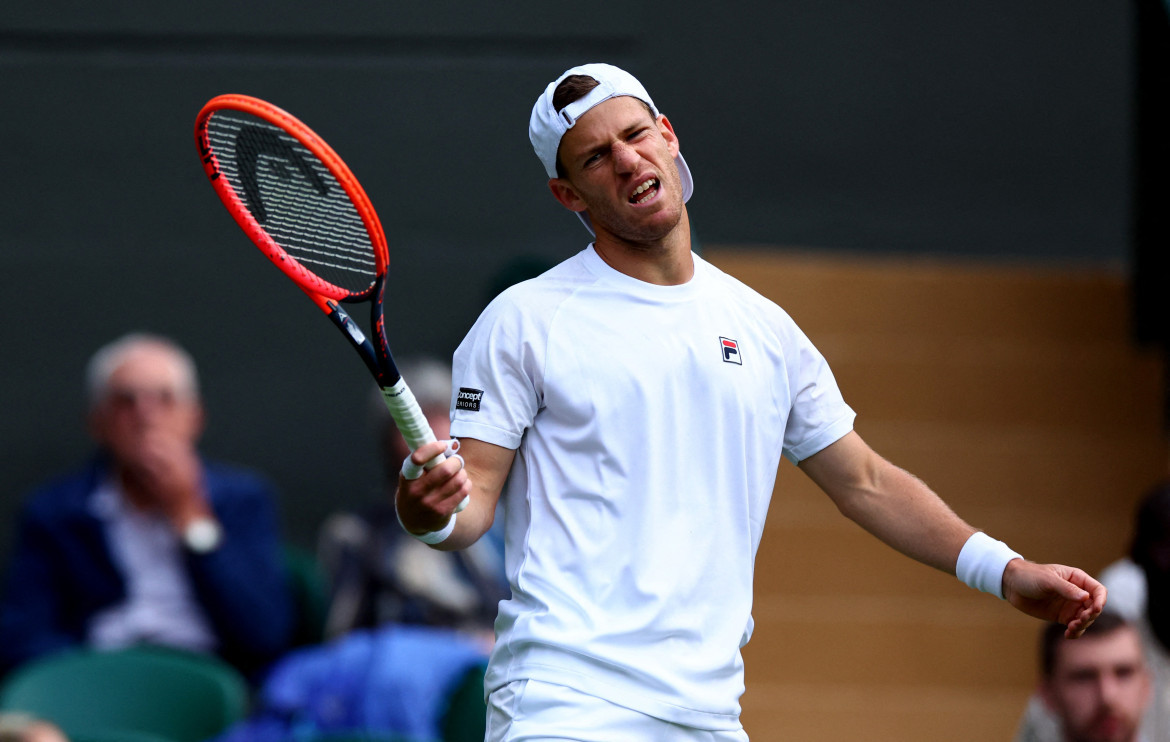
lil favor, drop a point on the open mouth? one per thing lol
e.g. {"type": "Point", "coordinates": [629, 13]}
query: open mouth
{"type": "Point", "coordinates": [645, 192]}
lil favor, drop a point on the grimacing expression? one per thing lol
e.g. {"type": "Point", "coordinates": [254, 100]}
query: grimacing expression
{"type": "Point", "coordinates": [619, 166]}
{"type": "Point", "coordinates": [1099, 686]}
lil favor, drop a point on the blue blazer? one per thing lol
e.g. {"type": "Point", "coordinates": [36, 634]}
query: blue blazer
{"type": "Point", "coordinates": [61, 572]}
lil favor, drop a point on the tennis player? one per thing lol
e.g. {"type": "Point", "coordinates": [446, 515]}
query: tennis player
{"type": "Point", "coordinates": [632, 405]}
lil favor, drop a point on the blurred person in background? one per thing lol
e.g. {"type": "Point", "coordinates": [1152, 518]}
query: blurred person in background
{"type": "Point", "coordinates": [377, 573]}
{"type": "Point", "coordinates": [1098, 687]}
{"type": "Point", "coordinates": [148, 542]}
{"type": "Point", "coordinates": [409, 628]}
{"type": "Point", "coordinates": [1139, 592]}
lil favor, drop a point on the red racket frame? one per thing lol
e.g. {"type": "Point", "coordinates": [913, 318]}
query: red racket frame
{"type": "Point", "coordinates": [317, 288]}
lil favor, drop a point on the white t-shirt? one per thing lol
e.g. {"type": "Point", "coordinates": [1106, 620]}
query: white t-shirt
{"type": "Point", "coordinates": [649, 422]}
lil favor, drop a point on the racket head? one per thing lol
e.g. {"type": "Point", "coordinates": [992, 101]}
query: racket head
{"type": "Point", "coordinates": [293, 196]}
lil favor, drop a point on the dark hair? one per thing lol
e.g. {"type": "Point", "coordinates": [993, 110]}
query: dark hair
{"type": "Point", "coordinates": [1052, 638]}
{"type": "Point", "coordinates": [1151, 529]}
{"type": "Point", "coordinates": [573, 88]}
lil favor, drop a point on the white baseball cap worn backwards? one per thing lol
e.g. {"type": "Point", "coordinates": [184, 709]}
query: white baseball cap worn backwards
{"type": "Point", "coordinates": [547, 125]}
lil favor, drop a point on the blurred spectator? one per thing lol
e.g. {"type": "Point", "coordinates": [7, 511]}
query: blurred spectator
{"type": "Point", "coordinates": [398, 681]}
{"type": "Point", "coordinates": [377, 572]}
{"type": "Point", "coordinates": [410, 627]}
{"type": "Point", "coordinates": [1139, 592]}
{"type": "Point", "coordinates": [1098, 686]}
{"type": "Point", "coordinates": [148, 543]}
{"type": "Point", "coordinates": [1139, 584]}
{"type": "Point", "coordinates": [17, 727]}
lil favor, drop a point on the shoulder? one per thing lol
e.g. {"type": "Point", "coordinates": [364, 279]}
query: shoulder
{"type": "Point", "coordinates": [235, 481]}
{"type": "Point", "coordinates": [733, 288]}
{"type": "Point", "coordinates": [1126, 583]}
{"type": "Point", "coordinates": [732, 293]}
{"type": "Point", "coordinates": [526, 309]}
{"type": "Point", "coordinates": [545, 290]}
{"type": "Point", "coordinates": [65, 493]}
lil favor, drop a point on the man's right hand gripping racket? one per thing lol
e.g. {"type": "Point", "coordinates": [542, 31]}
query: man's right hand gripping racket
{"type": "Point", "coordinates": [300, 204]}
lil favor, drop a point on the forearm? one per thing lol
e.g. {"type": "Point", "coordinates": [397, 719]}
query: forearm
{"type": "Point", "coordinates": [903, 512]}
{"type": "Point", "coordinates": [889, 502]}
{"type": "Point", "coordinates": [470, 524]}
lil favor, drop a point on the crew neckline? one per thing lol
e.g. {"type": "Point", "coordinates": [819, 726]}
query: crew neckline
{"type": "Point", "coordinates": [603, 270]}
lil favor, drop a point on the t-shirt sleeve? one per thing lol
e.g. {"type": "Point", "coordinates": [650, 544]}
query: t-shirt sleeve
{"type": "Point", "coordinates": [496, 389]}
{"type": "Point", "coordinates": [819, 415]}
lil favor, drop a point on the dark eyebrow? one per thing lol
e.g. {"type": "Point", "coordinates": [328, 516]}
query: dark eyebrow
{"type": "Point", "coordinates": [625, 133]}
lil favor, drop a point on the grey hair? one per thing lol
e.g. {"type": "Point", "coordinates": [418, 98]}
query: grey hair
{"type": "Point", "coordinates": [103, 363]}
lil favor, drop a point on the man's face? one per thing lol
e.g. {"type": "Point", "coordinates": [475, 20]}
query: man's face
{"type": "Point", "coordinates": [147, 395]}
{"type": "Point", "coordinates": [1099, 687]}
{"type": "Point", "coordinates": [619, 166]}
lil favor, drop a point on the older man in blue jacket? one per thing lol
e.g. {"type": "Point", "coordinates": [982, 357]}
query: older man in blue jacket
{"type": "Point", "coordinates": [148, 543]}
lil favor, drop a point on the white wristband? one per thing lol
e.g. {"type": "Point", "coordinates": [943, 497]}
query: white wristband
{"type": "Point", "coordinates": [982, 561]}
{"type": "Point", "coordinates": [430, 537]}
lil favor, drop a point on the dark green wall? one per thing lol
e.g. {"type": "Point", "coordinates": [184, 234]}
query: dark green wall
{"type": "Point", "coordinates": [997, 129]}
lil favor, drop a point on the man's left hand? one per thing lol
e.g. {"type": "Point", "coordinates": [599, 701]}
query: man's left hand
{"type": "Point", "coordinates": [1054, 592]}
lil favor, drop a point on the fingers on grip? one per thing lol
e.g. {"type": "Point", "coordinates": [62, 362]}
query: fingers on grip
{"type": "Point", "coordinates": [411, 470]}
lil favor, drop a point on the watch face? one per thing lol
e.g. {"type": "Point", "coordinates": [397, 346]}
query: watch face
{"type": "Point", "coordinates": [202, 536]}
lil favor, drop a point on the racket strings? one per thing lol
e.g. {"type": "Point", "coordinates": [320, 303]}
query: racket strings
{"type": "Point", "coordinates": [294, 198]}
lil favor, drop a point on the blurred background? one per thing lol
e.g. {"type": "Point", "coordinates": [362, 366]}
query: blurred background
{"type": "Point", "coordinates": [954, 201]}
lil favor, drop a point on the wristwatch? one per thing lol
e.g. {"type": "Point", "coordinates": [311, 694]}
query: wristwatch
{"type": "Point", "coordinates": [202, 536]}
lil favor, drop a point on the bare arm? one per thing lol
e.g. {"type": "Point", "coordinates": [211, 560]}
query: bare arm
{"type": "Point", "coordinates": [427, 503]}
{"type": "Point", "coordinates": [889, 502]}
{"type": "Point", "coordinates": [902, 511]}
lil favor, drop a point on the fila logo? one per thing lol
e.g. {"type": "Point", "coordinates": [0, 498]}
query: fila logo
{"type": "Point", "coordinates": [730, 350]}
{"type": "Point", "coordinates": [468, 399]}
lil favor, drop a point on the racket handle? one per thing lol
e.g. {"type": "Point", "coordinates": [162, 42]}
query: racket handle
{"type": "Point", "coordinates": [413, 425]}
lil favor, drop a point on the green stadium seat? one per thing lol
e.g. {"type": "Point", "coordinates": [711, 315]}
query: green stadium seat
{"type": "Point", "coordinates": [174, 695]}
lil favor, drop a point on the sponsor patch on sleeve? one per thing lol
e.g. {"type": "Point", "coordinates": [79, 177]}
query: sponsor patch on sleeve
{"type": "Point", "coordinates": [468, 399]}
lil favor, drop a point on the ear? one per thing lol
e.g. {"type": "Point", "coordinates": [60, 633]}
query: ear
{"type": "Point", "coordinates": [563, 191]}
{"type": "Point", "coordinates": [198, 422]}
{"type": "Point", "coordinates": [668, 134]}
{"type": "Point", "coordinates": [1047, 695]}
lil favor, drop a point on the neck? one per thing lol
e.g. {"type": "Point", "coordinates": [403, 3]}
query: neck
{"type": "Point", "coordinates": [666, 261]}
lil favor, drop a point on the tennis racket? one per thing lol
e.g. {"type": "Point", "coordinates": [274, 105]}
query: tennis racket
{"type": "Point", "coordinates": [300, 204]}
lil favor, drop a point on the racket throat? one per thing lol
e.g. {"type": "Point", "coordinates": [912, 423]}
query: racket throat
{"type": "Point", "coordinates": [361, 343]}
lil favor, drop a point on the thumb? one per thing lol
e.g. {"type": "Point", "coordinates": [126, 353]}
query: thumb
{"type": "Point", "coordinates": [1068, 589]}
{"type": "Point", "coordinates": [428, 451]}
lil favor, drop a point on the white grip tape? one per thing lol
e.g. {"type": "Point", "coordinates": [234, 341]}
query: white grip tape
{"type": "Point", "coordinates": [982, 561]}
{"type": "Point", "coordinates": [415, 429]}
{"type": "Point", "coordinates": [408, 416]}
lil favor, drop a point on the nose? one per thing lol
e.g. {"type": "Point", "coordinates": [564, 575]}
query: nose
{"type": "Point", "coordinates": [1109, 690]}
{"type": "Point", "coordinates": [625, 157]}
